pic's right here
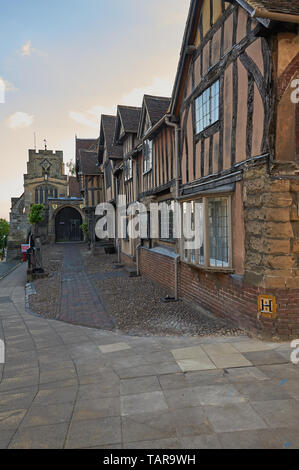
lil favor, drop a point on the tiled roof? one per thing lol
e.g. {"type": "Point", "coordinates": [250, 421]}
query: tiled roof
{"type": "Point", "coordinates": [157, 107]}
{"type": "Point", "coordinates": [85, 144]}
{"type": "Point", "coordinates": [74, 187]}
{"type": "Point", "coordinates": [130, 117]}
{"type": "Point", "coordinates": [88, 160]}
{"type": "Point", "coordinates": [290, 7]}
{"type": "Point", "coordinates": [108, 123]}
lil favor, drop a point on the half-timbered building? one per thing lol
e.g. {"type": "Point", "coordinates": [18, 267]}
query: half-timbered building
{"type": "Point", "coordinates": [234, 107]}
{"type": "Point", "coordinates": [225, 145]}
{"type": "Point", "coordinates": [157, 175]}
{"type": "Point", "coordinates": [90, 181]}
{"type": "Point", "coordinates": [126, 130]}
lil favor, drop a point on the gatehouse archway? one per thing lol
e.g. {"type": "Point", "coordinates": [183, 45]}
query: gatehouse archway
{"type": "Point", "coordinates": [68, 223]}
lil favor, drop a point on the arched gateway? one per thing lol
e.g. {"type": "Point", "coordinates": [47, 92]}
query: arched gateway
{"type": "Point", "coordinates": [67, 225]}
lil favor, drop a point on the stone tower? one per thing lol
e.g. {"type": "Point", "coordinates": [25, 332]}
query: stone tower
{"type": "Point", "coordinates": [44, 179]}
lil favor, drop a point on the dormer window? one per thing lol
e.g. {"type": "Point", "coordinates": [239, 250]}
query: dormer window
{"type": "Point", "coordinates": [147, 155]}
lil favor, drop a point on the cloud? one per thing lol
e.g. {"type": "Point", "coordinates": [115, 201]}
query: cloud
{"type": "Point", "coordinates": [8, 85]}
{"type": "Point", "coordinates": [159, 87]}
{"type": "Point", "coordinates": [20, 120]}
{"type": "Point", "coordinates": [91, 117]}
{"type": "Point", "coordinates": [82, 118]}
{"type": "Point", "coordinates": [26, 49]}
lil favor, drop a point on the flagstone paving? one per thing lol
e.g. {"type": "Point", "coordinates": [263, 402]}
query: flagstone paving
{"type": "Point", "coordinates": [69, 386]}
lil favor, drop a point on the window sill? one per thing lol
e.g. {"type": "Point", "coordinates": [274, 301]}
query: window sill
{"type": "Point", "coordinates": [208, 131]}
{"type": "Point", "coordinates": [210, 269]}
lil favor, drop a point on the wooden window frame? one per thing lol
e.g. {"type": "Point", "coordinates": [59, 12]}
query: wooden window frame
{"type": "Point", "coordinates": [146, 159]}
{"type": "Point", "coordinates": [128, 176]}
{"type": "Point", "coordinates": [201, 95]}
{"type": "Point", "coordinates": [206, 234]}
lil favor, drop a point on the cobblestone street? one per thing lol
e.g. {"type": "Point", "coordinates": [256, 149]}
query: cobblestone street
{"type": "Point", "coordinates": [81, 283]}
{"type": "Point", "coordinates": [69, 386]}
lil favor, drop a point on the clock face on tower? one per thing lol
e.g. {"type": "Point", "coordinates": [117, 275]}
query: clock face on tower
{"type": "Point", "coordinates": [46, 165]}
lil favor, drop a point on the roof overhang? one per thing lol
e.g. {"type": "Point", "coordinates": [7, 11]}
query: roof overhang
{"type": "Point", "coordinates": [270, 15]}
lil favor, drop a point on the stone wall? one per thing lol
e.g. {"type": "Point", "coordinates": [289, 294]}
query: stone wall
{"type": "Point", "coordinates": [19, 228]}
{"type": "Point", "coordinates": [271, 201]}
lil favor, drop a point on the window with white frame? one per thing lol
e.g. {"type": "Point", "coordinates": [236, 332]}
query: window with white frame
{"type": "Point", "coordinates": [128, 169]}
{"type": "Point", "coordinates": [207, 107]}
{"type": "Point", "coordinates": [147, 155]}
{"type": "Point", "coordinates": [207, 243]}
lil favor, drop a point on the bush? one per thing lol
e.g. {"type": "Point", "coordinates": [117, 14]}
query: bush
{"type": "Point", "coordinates": [36, 214]}
{"type": "Point", "coordinates": [4, 230]}
{"type": "Point", "coordinates": [84, 228]}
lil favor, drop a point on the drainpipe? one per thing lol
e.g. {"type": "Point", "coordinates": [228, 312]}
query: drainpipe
{"type": "Point", "coordinates": [177, 153]}
{"type": "Point", "coordinates": [177, 187]}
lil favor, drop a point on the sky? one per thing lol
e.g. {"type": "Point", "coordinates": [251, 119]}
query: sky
{"type": "Point", "coordinates": [66, 62]}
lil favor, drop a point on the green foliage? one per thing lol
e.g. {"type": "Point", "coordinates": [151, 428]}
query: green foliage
{"type": "Point", "coordinates": [36, 214]}
{"type": "Point", "coordinates": [4, 230]}
{"type": "Point", "coordinates": [84, 228]}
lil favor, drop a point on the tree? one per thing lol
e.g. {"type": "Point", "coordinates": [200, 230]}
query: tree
{"type": "Point", "coordinates": [36, 214]}
{"type": "Point", "coordinates": [4, 230]}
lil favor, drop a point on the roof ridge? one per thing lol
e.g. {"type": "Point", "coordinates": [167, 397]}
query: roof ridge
{"type": "Point", "coordinates": [137, 108]}
{"type": "Point", "coordinates": [157, 97]}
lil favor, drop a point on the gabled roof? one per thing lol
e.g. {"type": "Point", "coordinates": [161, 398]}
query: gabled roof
{"type": "Point", "coordinates": [262, 10]}
{"type": "Point", "coordinates": [155, 107]}
{"type": "Point", "coordinates": [88, 162]}
{"type": "Point", "coordinates": [127, 122]}
{"type": "Point", "coordinates": [106, 139]}
{"type": "Point", "coordinates": [85, 144]}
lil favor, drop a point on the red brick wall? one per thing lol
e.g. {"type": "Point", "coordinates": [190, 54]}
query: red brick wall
{"type": "Point", "coordinates": [226, 296]}
{"type": "Point", "coordinates": [158, 267]}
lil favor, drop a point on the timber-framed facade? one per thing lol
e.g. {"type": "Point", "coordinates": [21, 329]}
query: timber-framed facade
{"type": "Point", "coordinates": [228, 142]}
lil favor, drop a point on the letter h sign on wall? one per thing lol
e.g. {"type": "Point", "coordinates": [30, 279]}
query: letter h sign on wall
{"type": "Point", "coordinates": [267, 306]}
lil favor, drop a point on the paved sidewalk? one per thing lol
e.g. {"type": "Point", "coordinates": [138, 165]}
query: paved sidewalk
{"type": "Point", "coordinates": [80, 302]}
{"type": "Point", "coordinates": [68, 386]}
{"type": "Point", "coordinates": [6, 267]}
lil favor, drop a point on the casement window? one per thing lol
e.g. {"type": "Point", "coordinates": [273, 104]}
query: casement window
{"type": "Point", "coordinates": [166, 220]}
{"type": "Point", "coordinates": [147, 155]}
{"type": "Point", "coordinates": [207, 107]}
{"type": "Point", "coordinates": [128, 169]}
{"type": "Point", "coordinates": [208, 242]}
